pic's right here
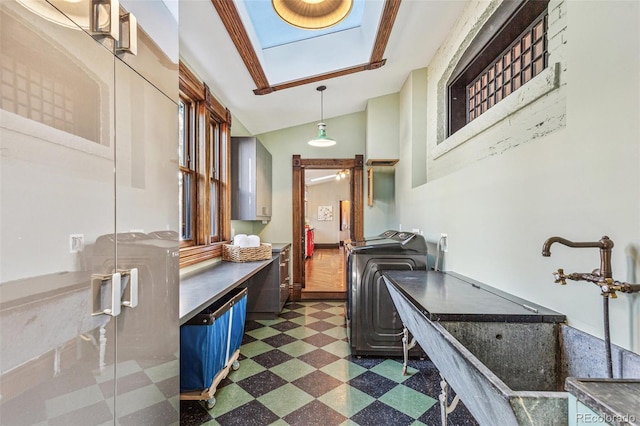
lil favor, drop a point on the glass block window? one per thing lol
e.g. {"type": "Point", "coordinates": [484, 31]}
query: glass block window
{"type": "Point", "coordinates": [525, 58]}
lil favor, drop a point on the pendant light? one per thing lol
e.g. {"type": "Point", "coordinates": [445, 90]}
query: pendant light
{"type": "Point", "coordinates": [322, 140]}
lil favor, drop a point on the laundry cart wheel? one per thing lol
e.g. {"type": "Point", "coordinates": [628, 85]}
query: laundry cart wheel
{"type": "Point", "coordinates": [209, 403]}
{"type": "Point", "coordinates": [235, 365]}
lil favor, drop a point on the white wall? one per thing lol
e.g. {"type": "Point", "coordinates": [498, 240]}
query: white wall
{"type": "Point", "coordinates": [347, 130]}
{"type": "Point", "coordinates": [579, 181]}
{"type": "Point", "coordinates": [326, 194]}
{"type": "Point", "coordinates": [382, 127]}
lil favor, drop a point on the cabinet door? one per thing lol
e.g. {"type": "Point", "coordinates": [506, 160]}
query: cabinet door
{"type": "Point", "coordinates": [57, 360]}
{"type": "Point", "coordinates": [263, 182]}
{"type": "Point", "coordinates": [146, 222]}
{"type": "Point", "coordinates": [285, 276]}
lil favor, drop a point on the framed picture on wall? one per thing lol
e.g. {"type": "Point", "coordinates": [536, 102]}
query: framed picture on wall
{"type": "Point", "coordinates": [325, 213]}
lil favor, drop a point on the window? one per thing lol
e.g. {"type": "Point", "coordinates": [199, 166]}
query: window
{"type": "Point", "coordinates": [203, 155]}
{"type": "Point", "coordinates": [187, 177]}
{"type": "Point", "coordinates": [214, 135]}
{"type": "Point", "coordinates": [497, 63]}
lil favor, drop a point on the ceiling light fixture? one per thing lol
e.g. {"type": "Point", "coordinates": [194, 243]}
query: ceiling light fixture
{"type": "Point", "coordinates": [312, 14]}
{"type": "Point", "coordinates": [342, 174]}
{"type": "Point", "coordinates": [322, 178]}
{"type": "Point", "coordinates": [322, 140]}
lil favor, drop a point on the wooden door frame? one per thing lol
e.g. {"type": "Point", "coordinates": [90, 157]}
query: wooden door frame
{"type": "Point", "coordinates": [356, 165]}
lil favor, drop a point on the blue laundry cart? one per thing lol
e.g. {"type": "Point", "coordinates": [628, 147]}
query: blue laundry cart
{"type": "Point", "coordinates": [210, 346]}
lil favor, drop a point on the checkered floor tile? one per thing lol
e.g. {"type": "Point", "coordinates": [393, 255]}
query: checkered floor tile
{"type": "Point", "coordinates": [297, 370]}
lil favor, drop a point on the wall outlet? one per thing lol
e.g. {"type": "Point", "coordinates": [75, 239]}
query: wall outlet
{"type": "Point", "coordinates": [76, 243]}
{"type": "Point", "coordinates": [444, 242]}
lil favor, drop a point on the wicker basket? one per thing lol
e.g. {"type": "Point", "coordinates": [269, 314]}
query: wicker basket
{"type": "Point", "coordinates": [246, 254]}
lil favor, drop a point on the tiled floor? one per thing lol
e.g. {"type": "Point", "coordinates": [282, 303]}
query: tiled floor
{"type": "Point", "coordinates": [297, 370]}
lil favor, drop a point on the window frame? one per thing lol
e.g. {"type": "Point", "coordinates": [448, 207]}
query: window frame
{"type": "Point", "coordinates": [214, 136]}
{"type": "Point", "coordinates": [505, 26]}
{"type": "Point", "coordinates": [187, 166]}
{"type": "Point", "coordinates": [211, 134]}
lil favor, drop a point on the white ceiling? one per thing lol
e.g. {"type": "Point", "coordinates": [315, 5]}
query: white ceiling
{"type": "Point", "coordinates": [206, 47]}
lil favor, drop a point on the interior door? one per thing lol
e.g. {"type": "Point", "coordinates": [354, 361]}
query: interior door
{"type": "Point", "coordinates": [57, 184]}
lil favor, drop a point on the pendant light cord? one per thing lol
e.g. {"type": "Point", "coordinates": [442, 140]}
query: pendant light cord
{"type": "Point", "coordinates": [321, 89]}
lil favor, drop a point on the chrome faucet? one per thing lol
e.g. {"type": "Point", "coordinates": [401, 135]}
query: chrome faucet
{"type": "Point", "coordinates": [603, 277]}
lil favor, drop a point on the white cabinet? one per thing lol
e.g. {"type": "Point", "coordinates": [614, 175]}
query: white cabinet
{"type": "Point", "coordinates": [88, 181]}
{"type": "Point", "coordinates": [250, 179]}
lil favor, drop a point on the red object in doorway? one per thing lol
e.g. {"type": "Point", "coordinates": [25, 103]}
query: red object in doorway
{"type": "Point", "coordinates": [308, 241]}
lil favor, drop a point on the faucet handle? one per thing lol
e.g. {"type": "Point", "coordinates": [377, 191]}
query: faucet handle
{"type": "Point", "coordinates": [608, 288]}
{"type": "Point", "coordinates": [560, 277]}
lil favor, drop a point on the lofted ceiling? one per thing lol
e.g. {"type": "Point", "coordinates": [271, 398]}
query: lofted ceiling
{"type": "Point", "coordinates": [266, 72]}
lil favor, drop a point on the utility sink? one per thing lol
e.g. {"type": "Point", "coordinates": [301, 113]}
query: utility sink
{"type": "Point", "coordinates": [506, 358]}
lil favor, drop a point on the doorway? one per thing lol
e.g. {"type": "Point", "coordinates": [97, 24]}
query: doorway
{"type": "Point", "coordinates": [355, 167]}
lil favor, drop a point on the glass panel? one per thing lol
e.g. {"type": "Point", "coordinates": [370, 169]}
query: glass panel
{"type": "Point", "coordinates": [538, 66]}
{"type": "Point", "coordinates": [214, 137]}
{"type": "Point", "coordinates": [516, 82]}
{"type": "Point", "coordinates": [537, 49]}
{"type": "Point", "coordinates": [538, 30]}
{"type": "Point", "coordinates": [147, 226]}
{"type": "Point", "coordinates": [184, 192]}
{"type": "Point", "coordinates": [57, 360]}
{"type": "Point", "coordinates": [213, 188]}
{"type": "Point", "coordinates": [182, 134]}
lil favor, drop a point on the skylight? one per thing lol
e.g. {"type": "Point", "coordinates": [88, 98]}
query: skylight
{"type": "Point", "coordinates": [272, 31]}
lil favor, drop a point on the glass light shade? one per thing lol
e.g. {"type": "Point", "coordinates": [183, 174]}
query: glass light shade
{"type": "Point", "coordinates": [322, 140]}
{"type": "Point", "coordinates": [312, 14]}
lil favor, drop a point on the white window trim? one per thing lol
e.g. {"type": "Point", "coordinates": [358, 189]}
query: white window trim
{"type": "Point", "coordinates": [542, 84]}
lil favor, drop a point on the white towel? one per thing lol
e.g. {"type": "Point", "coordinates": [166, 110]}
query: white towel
{"type": "Point", "coordinates": [253, 241]}
{"type": "Point", "coordinates": [240, 240]}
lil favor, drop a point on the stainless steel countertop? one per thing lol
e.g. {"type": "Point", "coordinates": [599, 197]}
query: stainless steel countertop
{"type": "Point", "coordinates": [201, 289]}
{"type": "Point", "coordinates": [446, 296]}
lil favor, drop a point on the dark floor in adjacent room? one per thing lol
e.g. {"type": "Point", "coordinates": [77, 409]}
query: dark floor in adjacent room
{"type": "Point", "coordinates": [298, 370]}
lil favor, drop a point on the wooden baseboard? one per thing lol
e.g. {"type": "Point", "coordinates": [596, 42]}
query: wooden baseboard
{"type": "Point", "coordinates": [323, 295]}
{"type": "Point", "coordinates": [326, 246]}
